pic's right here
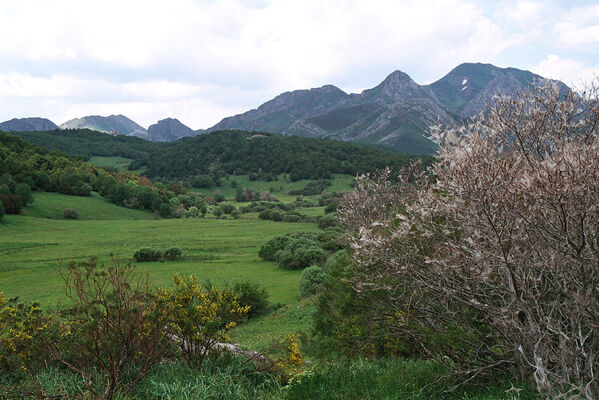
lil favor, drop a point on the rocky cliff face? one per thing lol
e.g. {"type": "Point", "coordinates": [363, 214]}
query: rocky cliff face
{"type": "Point", "coordinates": [28, 125]}
{"type": "Point", "coordinates": [167, 130]}
{"type": "Point", "coordinates": [398, 112]}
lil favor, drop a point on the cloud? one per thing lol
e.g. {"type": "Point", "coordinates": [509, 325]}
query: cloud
{"type": "Point", "coordinates": [572, 72]}
{"type": "Point", "coordinates": [226, 56]}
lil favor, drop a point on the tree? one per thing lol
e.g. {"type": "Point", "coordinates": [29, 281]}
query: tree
{"type": "Point", "coordinates": [505, 237]}
{"type": "Point", "coordinates": [24, 192]}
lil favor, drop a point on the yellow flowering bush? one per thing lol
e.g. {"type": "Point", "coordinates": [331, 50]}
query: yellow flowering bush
{"type": "Point", "coordinates": [21, 328]}
{"type": "Point", "coordinates": [199, 316]}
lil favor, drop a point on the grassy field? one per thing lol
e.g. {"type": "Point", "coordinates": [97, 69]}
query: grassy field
{"type": "Point", "coordinates": [279, 188]}
{"type": "Point", "coordinates": [33, 247]}
{"type": "Point", "coordinates": [118, 163]}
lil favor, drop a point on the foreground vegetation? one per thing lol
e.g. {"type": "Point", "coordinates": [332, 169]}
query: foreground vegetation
{"type": "Point", "coordinates": [476, 280]}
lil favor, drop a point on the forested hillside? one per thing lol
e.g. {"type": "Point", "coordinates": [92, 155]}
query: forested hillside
{"type": "Point", "coordinates": [231, 152]}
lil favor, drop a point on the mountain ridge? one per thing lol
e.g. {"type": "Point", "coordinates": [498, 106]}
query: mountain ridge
{"type": "Point", "coordinates": [397, 112]}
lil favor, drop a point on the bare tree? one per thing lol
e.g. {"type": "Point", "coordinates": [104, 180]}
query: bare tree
{"type": "Point", "coordinates": [505, 237]}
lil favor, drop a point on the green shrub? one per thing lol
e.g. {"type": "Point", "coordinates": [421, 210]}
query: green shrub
{"type": "Point", "coordinates": [147, 254]}
{"type": "Point", "coordinates": [300, 253]}
{"type": "Point", "coordinates": [291, 218]}
{"type": "Point", "coordinates": [311, 280]}
{"type": "Point", "coordinates": [328, 221]}
{"type": "Point", "coordinates": [272, 246]}
{"type": "Point", "coordinates": [1, 210]}
{"type": "Point", "coordinates": [252, 295]}
{"type": "Point", "coordinates": [165, 210]}
{"type": "Point", "coordinates": [227, 208]}
{"type": "Point", "coordinates": [236, 214]}
{"type": "Point", "coordinates": [265, 214]}
{"type": "Point", "coordinates": [70, 213]}
{"type": "Point", "coordinates": [331, 207]}
{"type": "Point", "coordinates": [276, 215]}
{"type": "Point", "coordinates": [12, 204]}
{"type": "Point", "coordinates": [172, 253]}
{"type": "Point", "coordinates": [24, 192]}
{"type": "Point", "coordinates": [4, 190]}
{"type": "Point", "coordinates": [217, 212]}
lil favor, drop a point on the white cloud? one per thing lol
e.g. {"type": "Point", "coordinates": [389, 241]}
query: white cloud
{"type": "Point", "coordinates": [572, 72]}
{"type": "Point", "coordinates": [225, 56]}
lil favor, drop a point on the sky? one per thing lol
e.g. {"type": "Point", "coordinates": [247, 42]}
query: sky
{"type": "Point", "coordinates": [200, 61]}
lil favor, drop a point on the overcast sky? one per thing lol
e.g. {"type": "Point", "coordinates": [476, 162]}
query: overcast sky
{"type": "Point", "coordinates": [200, 61]}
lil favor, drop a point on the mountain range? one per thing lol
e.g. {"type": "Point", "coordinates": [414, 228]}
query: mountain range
{"type": "Point", "coordinates": [396, 113]}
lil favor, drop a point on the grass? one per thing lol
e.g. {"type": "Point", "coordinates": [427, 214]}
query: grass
{"type": "Point", "coordinates": [391, 379]}
{"type": "Point", "coordinates": [279, 188]}
{"type": "Point", "coordinates": [33, 247]}
{"type": "Point", "coordinates": [118, 163]}
{"type": "Point", "coordinates": [94, 207]}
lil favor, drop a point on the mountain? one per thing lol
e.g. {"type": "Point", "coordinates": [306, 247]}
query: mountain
{"type": "Point", "coordinates": [28, 125]}
{"type": "Point", "coordinates": [398, 112]}
{"type": "Point", "coordinates": [113, 123]}
{"type": "Point", "coordinates": [168, 129]}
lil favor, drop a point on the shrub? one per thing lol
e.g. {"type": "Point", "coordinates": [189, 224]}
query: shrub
{"type": "Point", "coordinates": [112, 335]}
{"type": "Point", "coordinates": [311, 280]}
{"type": "Point", "coordinates": [328, 221]}
{"type": "Point", "coordinates": [236, 214]}
{"type": "Point", "coordinates": [253, 296]}
{"type": "Point", "coordinates": [300, 253]}
{"type": "Point", "coordinates": [1, 210]}
{"type": "Point", "coordinates": [24, 192]}
{"type": "Point", "coordinates": [4, 190]}
{"type": "Point", "coordinates": [22, 328]}
{"type": "Point", "coordinates": [217, 212]}
{"type": "Point", "coordinates": [272, 246]}
{"type": "Point", "coordinates": [503, 236]}
{"type": "Point", "coordinates": [292, 218]}
{"type": "Point", "coordinates": [276, 215]}
{"type": "Point", "coordinates": [192, 212]}
{"type": "Point", "coordinates": [70, 213]}
{"type": "Point", "coordinates": [227, 208]}
{"type": "Point", "coordinates": [12, 204]}
{"type": "Point", "coordinates": [218, 196]}
{"type": "Point", "coordinates": [264, 214]}
{"type": "Point", "coordinates": [165, 210]}
{"type": "Point", "coordinates": [172, 253]}
{"type": "Point", "coordinates": [199, 316]}
{"type": "Point", "coordinates": [147, 254]}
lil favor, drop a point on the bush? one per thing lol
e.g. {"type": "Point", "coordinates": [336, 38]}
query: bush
{"type": "Point", "coordinates": [227, 208]}
{"type": "Point", "coordinates": [70, 213]}
{"type": "Point", "coordinates": [236, 214]}
{"type": "Point", "coordinates": [272, 246]}
{"type": "Point", "coordinates": [311, 280]}
{"type": "Point", "coordinates": [328, 221]}
{"type": "Point", "coordinates": [217, 212]}
{"type": "Point", "coordinates": [4, 190]}
{"type": "Point", "coordinates": [252, 295]}
{"type": "Point", "coordinates": [24, 192]}
{"type": "Point", "coordinates": [276, 215]}
{"type": "Point", "coordinates": [264, 214]}
{"type": "Point", "coordinates": [172, 253]}
{"type": "Point", "coordinates": [147, 254]}
{"type": "Point", "coordinates": [12, 204]}
{"type": "Point", "coordinates": [292, 218]}
{"type": "Point", "coordinates": [199, 316]}
{"type": "Point", "coordinates": [112, 335]}
{"type": "Point", "coordinates": [165, 210]}
{"type": "Point", "coordinates": [300, 253]}
{"type": "Point", "coordinates": [1, 210]}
